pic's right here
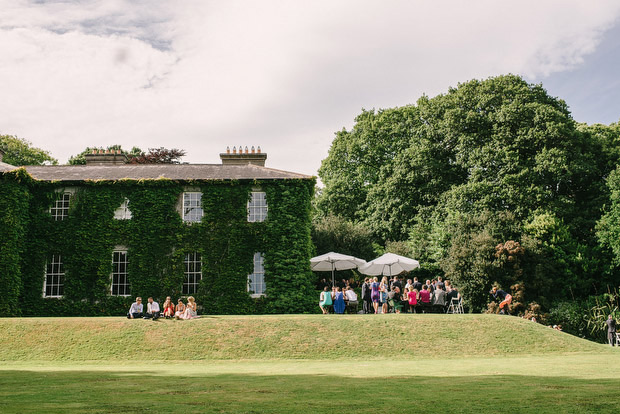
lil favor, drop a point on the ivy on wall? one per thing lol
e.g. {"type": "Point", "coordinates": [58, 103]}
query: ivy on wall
{"type": "Point", "coordinates": [157, 241]}
{"type": "Point", "coordinates": [14, 199]}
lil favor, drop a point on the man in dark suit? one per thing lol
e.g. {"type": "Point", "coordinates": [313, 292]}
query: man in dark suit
{"type": "Point", "coordinates": [417, 285]}
{"type": "Point", "coordinates": [366, 297]}
{"type": "Point", "coordinates": [397, 283]}
{"type": "Point", "coordinates": [611, 330]}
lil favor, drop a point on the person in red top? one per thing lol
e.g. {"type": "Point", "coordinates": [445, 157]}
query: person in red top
{"type": "Point", "coordinates": [425, 295]}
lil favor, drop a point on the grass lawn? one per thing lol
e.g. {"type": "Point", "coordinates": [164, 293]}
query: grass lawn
{"type": "Point", "coordinates": [527, 369]}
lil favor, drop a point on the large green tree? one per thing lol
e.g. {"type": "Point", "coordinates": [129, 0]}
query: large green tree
{"type": "Point", "coordinates": [19, 151]}
{"type": "Point", "coordinates": [487, 149]}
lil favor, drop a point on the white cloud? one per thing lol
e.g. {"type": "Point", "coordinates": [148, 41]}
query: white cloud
{"type": "Point", "coordinates": [284, 75]}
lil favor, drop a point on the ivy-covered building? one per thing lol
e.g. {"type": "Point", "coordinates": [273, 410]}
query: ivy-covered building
{"type": "Point", "coordinates": [87, 239]}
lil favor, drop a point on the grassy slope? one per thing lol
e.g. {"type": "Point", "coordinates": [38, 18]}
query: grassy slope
{"type": "Point", "coordinates": [282, 337]}
{"type": "Point", "coordinates": [303, 364]}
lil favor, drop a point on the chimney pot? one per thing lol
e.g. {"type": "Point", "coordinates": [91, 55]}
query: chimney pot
{"type": "Point", "coordinates": [258, 150]}
{"type": "Point", "coordinates": [253, 150]}
{"type": "Point", "coordinates": [227, 150]}
{"type": "Point", "coordinates": [234, 150]}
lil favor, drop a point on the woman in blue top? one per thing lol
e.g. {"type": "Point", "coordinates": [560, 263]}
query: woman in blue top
{"type": "Point", "coordinates": [339, 301]}
{"type": "Point", "coordinates": [325, 300]}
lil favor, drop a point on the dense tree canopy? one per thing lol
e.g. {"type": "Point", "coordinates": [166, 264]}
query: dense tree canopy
{"type": "Point", "coordinates": [157, 156]}
{"type": "Point", "coordinates": [18, 152]}
{"type": "Point", "coordinates": [489, 162]}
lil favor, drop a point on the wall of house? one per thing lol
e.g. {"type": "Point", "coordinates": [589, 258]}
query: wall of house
{"type": "Point", "coordinates": [156, 240]}
{"type": "Point", "coordinates": [14, 201]}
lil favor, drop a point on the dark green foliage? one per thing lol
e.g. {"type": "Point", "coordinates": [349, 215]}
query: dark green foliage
{"type": "Point", "coordinates": [336, 234]}
{"type": "Point", "coordinates": [442, 173]}
{"type": "Point", "coordinates": [287, 266]}
{"type": "Point", "coordinates": [14, 199]}
{"type": "Point", "coordinates": [608, 228]}
{"type": "Point", "coordinates": [157, 241]}
{"type": "Point", "coordinates": [154, 228]}
{"type": "Point", "coordinates": [586, 317]}
{"type": "Point", "coordinates": [19, 152]}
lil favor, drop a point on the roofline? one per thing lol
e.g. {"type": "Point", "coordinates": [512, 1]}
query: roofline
{"type": "Point", "coordinates": [133, 177]}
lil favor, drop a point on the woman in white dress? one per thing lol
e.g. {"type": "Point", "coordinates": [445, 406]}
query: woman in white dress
{"type": "Point", "coordinates": [190, 309]}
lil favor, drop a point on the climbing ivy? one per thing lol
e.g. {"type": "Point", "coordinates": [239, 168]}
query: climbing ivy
{"type": "Point", "coordinates": [157, 241]}
{"type": "Point", "coordinates": [14, 199]}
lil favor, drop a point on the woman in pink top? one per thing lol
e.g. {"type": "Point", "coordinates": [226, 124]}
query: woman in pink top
{"type": "Point", "coordinates": [413, 298]}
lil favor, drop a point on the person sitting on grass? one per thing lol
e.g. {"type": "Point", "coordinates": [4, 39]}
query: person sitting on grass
{"type": "Point", "coordinates": [339, 301]}
{"type": "Point", "coordinates": [180, 309]}
{"type": "Point", "coordinates": [136, 309]}
{"type": "Point", "coordinates": [168, 308]}
{"type": "Point", "coordinates": [190, 309]}
{"type": "Point", "coordinates": [505, 297]}
{"type": "Point", "coordinates": [152, 310]}
{"type": "Point", "coordinates": [325, 300]}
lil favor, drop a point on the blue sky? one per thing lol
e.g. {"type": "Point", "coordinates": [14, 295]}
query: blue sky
{"type": "Point", "coordinates": [202, 75]}
{"type": "Point", "coordinates": [591, 89]}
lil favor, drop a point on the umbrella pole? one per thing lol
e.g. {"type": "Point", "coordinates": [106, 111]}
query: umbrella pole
{"type": "Point", "coordinates": [333, 280]}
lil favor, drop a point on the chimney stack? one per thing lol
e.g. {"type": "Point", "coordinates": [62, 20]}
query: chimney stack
{"type": "Point", "coordinates": [107, 157]}
{"type": "Point", "coordinates": [243, 158]}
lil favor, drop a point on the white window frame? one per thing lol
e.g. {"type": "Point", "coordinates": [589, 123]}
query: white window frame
{"type": "Point", "coordinates": [192, 273]}
{"type": "Point", "coordinates": [191, 207]}
{"type": "Point", "coordinates": [257, 207]}
{"type": "Point", "coordinates": [60, 209]}
{"type": "Point", "coordinates": [123, 212]}
{"type": "Point", "coordinates": [120, 271]}
{"type": "Point", "coordinates": [54, 269]}
{"type": "Point", "coordinates": [256, 280]}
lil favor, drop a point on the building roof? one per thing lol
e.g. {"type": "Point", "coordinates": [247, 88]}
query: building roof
{"type": "Point", "coordinates": [4, 167]}
{"type": "Point", "coordinates": [154, 171]}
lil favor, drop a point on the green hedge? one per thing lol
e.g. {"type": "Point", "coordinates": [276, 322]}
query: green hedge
{"type": "Point", "coordinates": [157, 240]}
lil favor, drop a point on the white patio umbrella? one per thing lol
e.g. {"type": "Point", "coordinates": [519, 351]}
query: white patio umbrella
{"type": "Point", "coordinates": [389, 264]}
{"type": "Point", "coordinates": [335, 261]}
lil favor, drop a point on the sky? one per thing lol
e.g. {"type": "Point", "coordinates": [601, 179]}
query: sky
{"type": "Point", "coordinates": [284, 75]}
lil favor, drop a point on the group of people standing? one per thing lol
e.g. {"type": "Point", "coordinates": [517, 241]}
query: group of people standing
{"type": "Point", "coordinates": [391, 295]}
{"type": "Point", "coordinates": [153, 311]}
{"type": "Point", "coordinates": [413, 296]}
